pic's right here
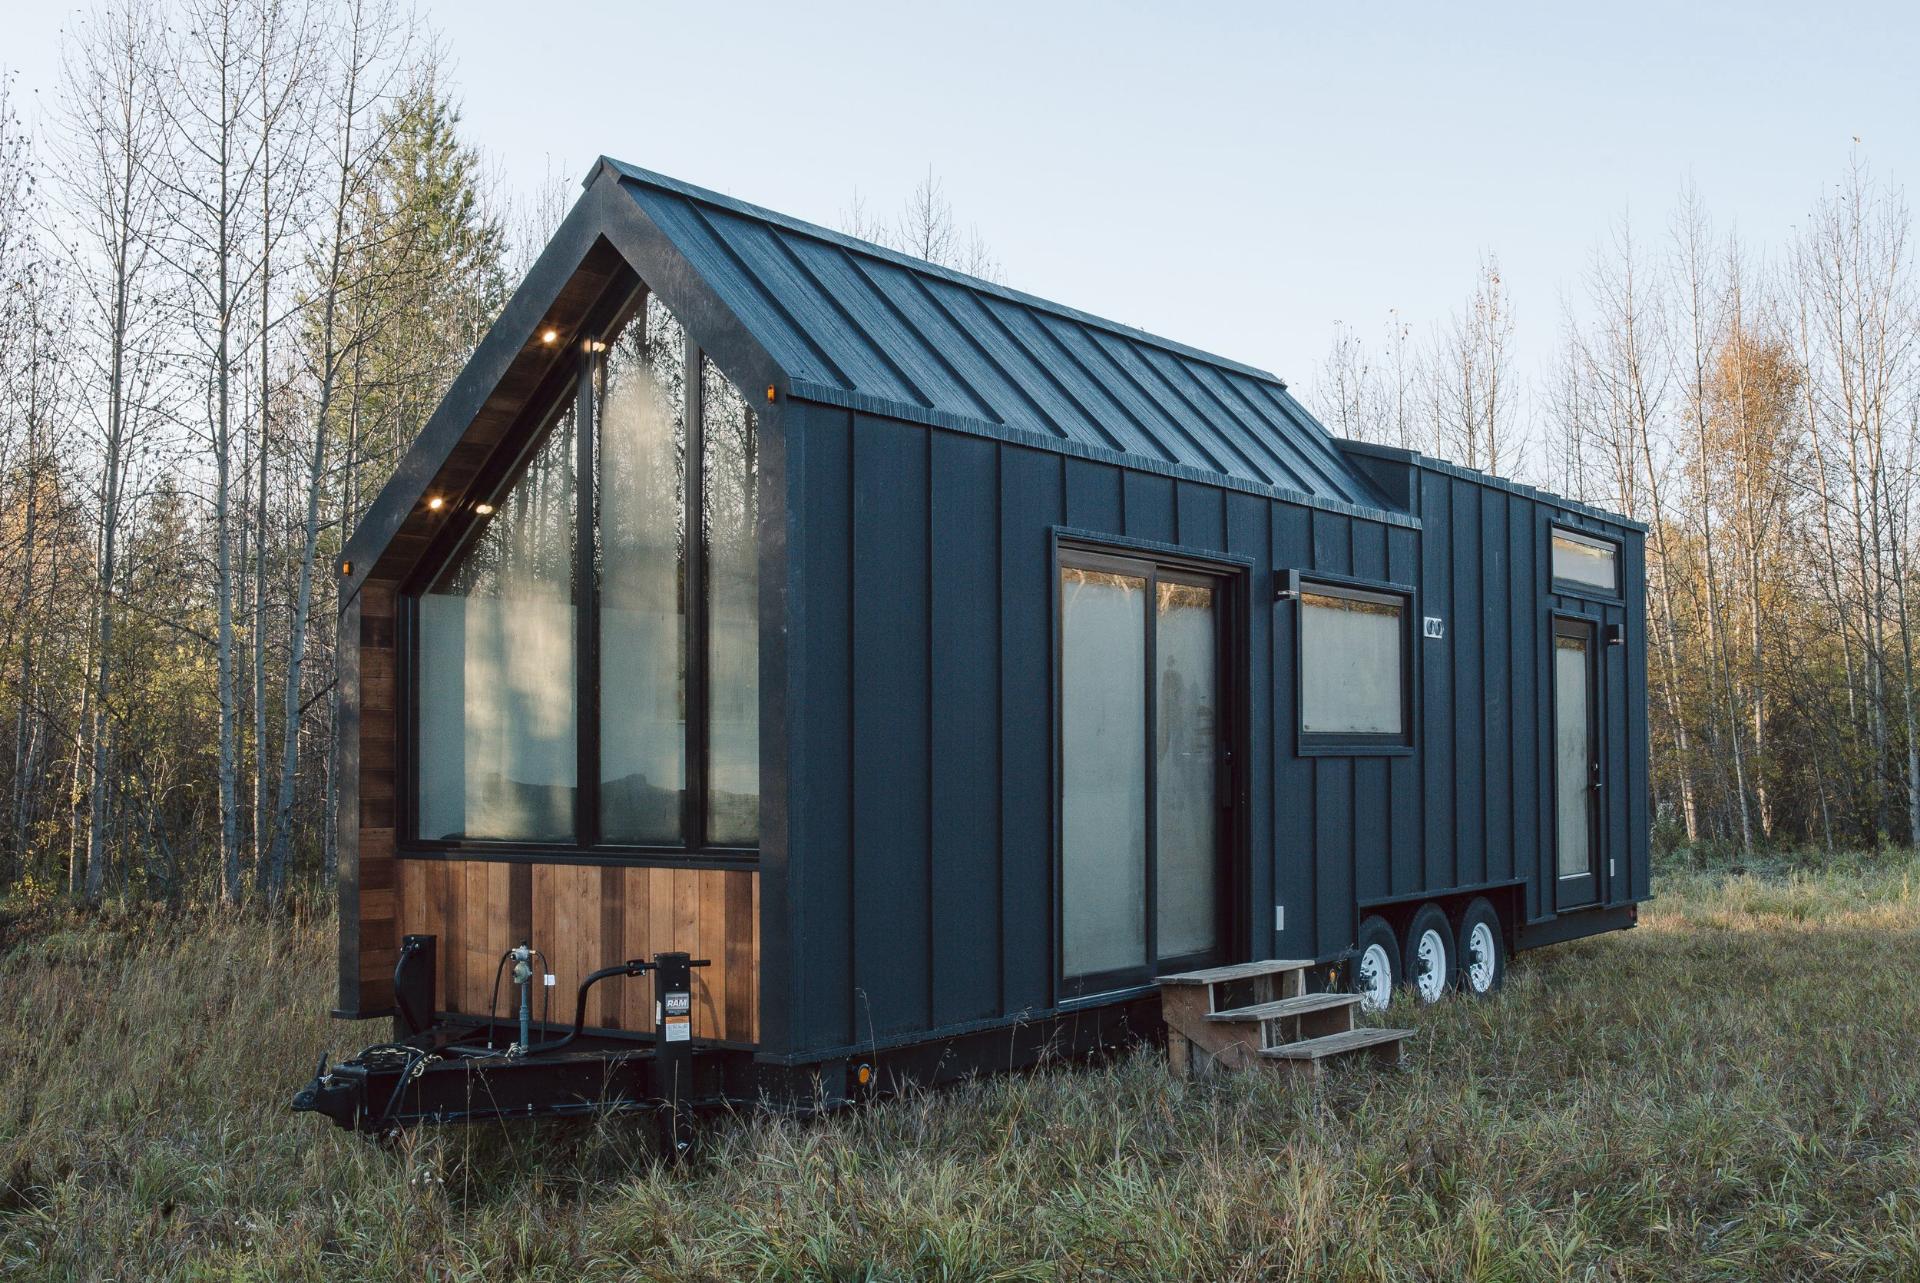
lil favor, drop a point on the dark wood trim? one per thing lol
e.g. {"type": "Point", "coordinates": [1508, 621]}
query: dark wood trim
{"type": "Point", "coordinates": [652, 859]}
{"type": "Point", "coordinates": [693, 797]}
{"type": "Point", "coordinates": [346, 821]}
{"type": "Point", "coordinates": [780, 539]}
{"type": "Point", "coordinates": [586, 586]}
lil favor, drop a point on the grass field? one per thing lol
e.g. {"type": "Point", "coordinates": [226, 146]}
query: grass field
{"type": "Point", "coordinates": [1731, 1091]}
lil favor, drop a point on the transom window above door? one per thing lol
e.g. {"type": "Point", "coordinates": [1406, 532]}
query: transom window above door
{"type": "Point", "coordinates": [585, 662]}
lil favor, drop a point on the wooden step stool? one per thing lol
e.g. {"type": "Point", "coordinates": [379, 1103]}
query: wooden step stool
{"type": "Point", "coordinates": [1253, 1013]}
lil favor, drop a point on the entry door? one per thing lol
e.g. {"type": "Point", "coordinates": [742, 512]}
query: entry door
{"type": "Point", "coordinates": [1576, 763]}
{"type": "Point", "coordinates": [1144, 778]}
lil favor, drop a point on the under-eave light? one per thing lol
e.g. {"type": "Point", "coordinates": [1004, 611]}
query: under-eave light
{"type": "Point", "coordinates": [435, 504]}
{"type": "Point", "coordinates": [484, 509]}
{"type": "Point", "coordinates": [550, 337]}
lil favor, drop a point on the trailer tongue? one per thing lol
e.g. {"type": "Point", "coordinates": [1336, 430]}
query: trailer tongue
{"type": "Point", "coordinates": [461, 1072]}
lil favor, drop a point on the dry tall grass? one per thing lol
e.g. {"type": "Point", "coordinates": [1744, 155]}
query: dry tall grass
{"type": "Point", "coordinates": [1730, 1091]}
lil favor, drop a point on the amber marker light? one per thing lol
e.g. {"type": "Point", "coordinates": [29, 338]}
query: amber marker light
{"type": "Point", "coordinates": [769, 393]}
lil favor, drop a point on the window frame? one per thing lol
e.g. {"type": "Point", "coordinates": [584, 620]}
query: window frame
{"type": "Point", "coordinates": [1574, 587]}
{"type": "Point", "coordinates": [578, 380]}
{"type": "Point", "coordinates": [1354, 743]}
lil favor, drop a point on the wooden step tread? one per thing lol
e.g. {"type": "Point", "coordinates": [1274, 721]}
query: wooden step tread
{"type": "Point", "coordinates": [1237, 971]}
{"type": "Point", "coordinates": [1299, 1006]}
{"type": "Point", "coordinates": [1334, 1044]}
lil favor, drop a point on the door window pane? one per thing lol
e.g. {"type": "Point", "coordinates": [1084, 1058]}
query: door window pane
{"type": "Point", "coordinates": [1351, 672]}
{"type": "Point", "coordinates": [642, 569]}
{"type": "Point", "coordinates": [1104, 777]}
{"type": "Point", "coordinates": [1572, 755]}
{"type": "Point", "coordinates": [1186, 783]}
{"type": "Point", "coordinates": [497, 743]}
{"type": "Point", "coordinates": [731, 471]}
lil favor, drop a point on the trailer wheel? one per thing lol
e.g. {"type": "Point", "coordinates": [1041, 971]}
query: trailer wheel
{"type": "Point", "coordinates": [1376, 965]}
{"type": "Point", "coordinates": [1429, 957]}
{"type": "Point", "coordinates": [1483, 951]}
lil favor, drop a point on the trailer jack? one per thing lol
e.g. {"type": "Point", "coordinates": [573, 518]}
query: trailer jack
{"type": "Point", "coordinates": [453, 1072]}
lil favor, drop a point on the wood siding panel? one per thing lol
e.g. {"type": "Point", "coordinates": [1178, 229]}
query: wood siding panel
{"type": "Point", "coordinates": [582, 918]}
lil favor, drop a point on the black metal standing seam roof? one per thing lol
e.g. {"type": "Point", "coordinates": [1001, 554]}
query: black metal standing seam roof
{"type": "Point", "coordinates": [856, 325]}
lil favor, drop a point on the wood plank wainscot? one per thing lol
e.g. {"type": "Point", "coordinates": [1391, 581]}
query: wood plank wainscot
{"type": "Point", "coordinates": [584, 917]}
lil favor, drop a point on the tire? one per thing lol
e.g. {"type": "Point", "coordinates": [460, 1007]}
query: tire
{"type": "Point", "coordinates": [1375, 972]}
{"type": "Point", "coordinates": [1483, 950]}
{"type": "Point", "coordinates": [1428, 960]}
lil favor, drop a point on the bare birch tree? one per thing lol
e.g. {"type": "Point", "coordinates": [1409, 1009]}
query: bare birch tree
{"type": "Point", "coordinates": [361, 86]}
{"type": "Point", "coordinates": [112, 128]}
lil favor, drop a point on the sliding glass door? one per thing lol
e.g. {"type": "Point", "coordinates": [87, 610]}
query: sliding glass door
{"type": "Point", "coordinates": [1142, 769]}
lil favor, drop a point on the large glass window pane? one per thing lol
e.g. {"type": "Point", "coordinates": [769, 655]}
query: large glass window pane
{"type": "Point", "coordinates": [642, 570]}
{"type": "Point", "coordinates": [1187, 754]}
{"type": "Point", "coordinates": [496, 740]}
{"type": "Point", "coordinates": [1590, 563]}
{"type": "Point", "coordinates": [1350, 664]}
{"type": "Point", "coordinates": [1572, 755]}
{"type": "Point", "coordinates": [730, 473]}
{"type": "Point", "coordinates": [1104, 756]}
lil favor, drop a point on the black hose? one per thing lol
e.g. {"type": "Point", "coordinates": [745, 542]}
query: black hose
{"type": "Point", "coordinates": [546, 1002]}
{"type": "Point", "coordinates": [493, 999]}
{"type": "Point", "coordinates": [633, 968]}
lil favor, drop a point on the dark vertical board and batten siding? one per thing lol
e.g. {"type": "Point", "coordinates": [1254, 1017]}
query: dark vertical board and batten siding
{"type": "Point", "coordinates": [890, 761]}
{"type": "Point", "coordinates": [965, 756]}
{"type": "Point", "coordinates": [925, 805]}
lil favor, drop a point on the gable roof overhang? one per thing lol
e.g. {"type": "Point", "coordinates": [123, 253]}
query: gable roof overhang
{"type": "Point", "coordinates": [606, 245]}
{"type": "Point", "coordinates": [826, 318]}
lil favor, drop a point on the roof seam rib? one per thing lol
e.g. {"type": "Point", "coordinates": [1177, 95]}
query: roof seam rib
{"type": "Point", "coordinates": [802, 332]}
{"type": "Point", "coordinates": [1093, 416]}
{"type": "Point", "coordinates": [960, 382]}
{"type": "Point", "coordinates": [879, 349]}
{"type": "Point", "coordinates": [1127, 376]}
{"type": "Point", "coordinates": [980, 349]}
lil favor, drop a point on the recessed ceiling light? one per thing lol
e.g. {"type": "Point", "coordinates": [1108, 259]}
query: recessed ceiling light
{"type": "Point", "coordinates": [434, 504]}
{"type": "Point", "coordinates": [550, 337]}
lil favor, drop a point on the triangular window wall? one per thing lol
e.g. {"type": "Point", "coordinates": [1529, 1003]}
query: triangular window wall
{"type": "Point", "coordinates": [589, 684]}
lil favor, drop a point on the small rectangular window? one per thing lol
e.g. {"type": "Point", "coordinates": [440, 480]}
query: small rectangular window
{"type": "Point", "coordinates": [1353, 670]}
{"type": "Point", "coordinates": [1585, 564]}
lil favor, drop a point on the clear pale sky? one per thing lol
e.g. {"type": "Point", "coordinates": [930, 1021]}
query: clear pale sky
{"type": "Point", "coordinates": [1236, 176]}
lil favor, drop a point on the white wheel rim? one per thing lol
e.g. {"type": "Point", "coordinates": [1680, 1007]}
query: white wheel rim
{"type": "Point", "coordinates": [1375, 979]}
{"type": "Point", "coordinates": [1432, 953]}
{"type": "Point", "coordinates": [1480, 957]}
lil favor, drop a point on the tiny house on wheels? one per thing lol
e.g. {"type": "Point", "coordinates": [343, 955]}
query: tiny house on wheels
{"type": "Point", "coordinates": [782, 669]}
